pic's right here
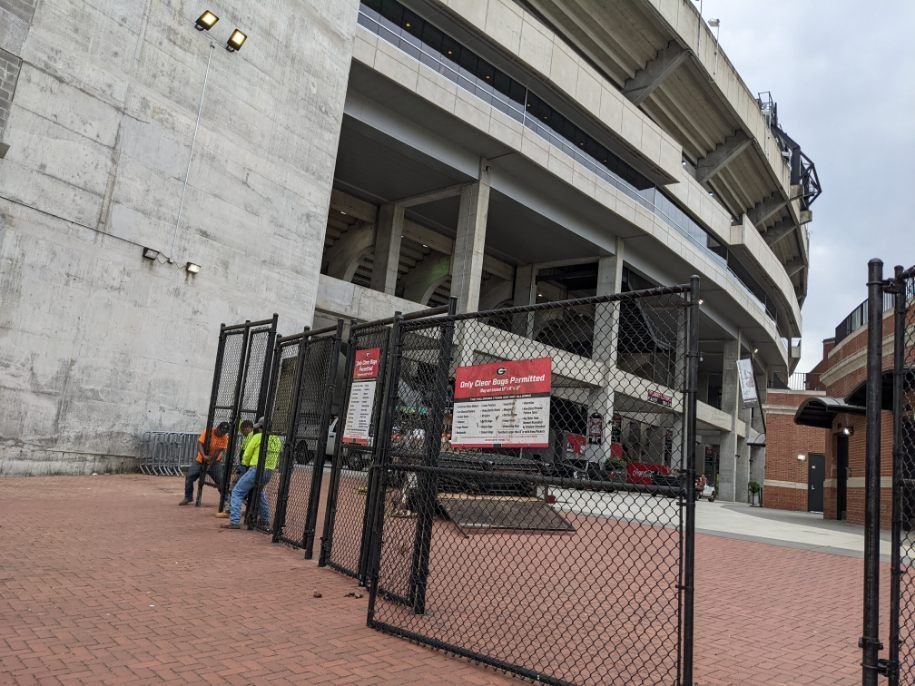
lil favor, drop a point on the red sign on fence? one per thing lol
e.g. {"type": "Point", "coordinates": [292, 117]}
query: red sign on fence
{"type": "Point", "coordinates": [504, 404]}
{"type": "Point", "coordinates": [367, 361]}
{"type": "Point", "coordinates": [361, 406]}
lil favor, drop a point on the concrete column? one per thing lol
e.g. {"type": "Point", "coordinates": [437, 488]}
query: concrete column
{"type": "Point", "coordinates": [525, 294]}
{"type": "Point", "coordinates": [388, 230]}
{"type": "Point", "coordinates": [470, 243]}
{"type": "Point", "coordinates": [730, 403]}
{"type": "Point", "coordinates": [604, 346]}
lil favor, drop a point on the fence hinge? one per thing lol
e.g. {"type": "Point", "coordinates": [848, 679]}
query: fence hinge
{"type": "Point", "coordinates": [888, 668]}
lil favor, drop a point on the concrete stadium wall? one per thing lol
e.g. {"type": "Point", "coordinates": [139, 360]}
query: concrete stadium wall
{"type": "Point", "coordinates": [97, 344]}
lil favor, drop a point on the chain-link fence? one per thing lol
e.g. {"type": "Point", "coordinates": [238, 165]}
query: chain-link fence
{"type": "Point", "coordinates": [254, 393]}
{"type": "Point", "coordinates": [534, 502]}
{"type": "Point", "coordinates": [346, 525]}
{"type": "Point", "coordinates": [901, 664]}
{"type": "Point", "coordinates": [344, 541]}
{"type": "Point", "coordinates": [238, 393]}
{"type": "Point", "coordinates": [301, 413]}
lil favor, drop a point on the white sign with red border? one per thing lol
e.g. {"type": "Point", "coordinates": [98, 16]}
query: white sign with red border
{"type": "Point", "coordinates": [502, 405]}
{"type": "Point", "coordinates": [361, 405]}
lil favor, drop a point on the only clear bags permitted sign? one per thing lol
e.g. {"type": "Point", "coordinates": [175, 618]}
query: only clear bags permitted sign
{"type": "Point", "coordinates": [502, 405]}
{"type": "Point", "coordinates": [361, 405]}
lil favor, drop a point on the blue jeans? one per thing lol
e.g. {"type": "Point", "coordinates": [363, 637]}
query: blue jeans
{"type": "Point", "coordinates": [242, 488]}
{"type": "Point", "coordinates": [195, 472]}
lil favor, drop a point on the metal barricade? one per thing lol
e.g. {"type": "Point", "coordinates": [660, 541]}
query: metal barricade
{"type": "Point", "coordinates": [167, 453]}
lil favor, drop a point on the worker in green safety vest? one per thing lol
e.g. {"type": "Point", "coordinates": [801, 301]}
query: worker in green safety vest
{"type": "Point", "coordinates": [249, 460]}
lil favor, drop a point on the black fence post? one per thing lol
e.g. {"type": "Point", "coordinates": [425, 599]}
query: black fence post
{"type": "Point", "coordinates": [870, 640]}
{"type": "Point", "coordinates": [689, 534]}
{"type": "Point", "coordinates": [211, 411]}
{"type": "Point", "coordinates": [317, 468]}
{"type": "Point", "coordinates": [266, 391]}
{"type": "Point", "coordinates": [380, 464]}
{"type": "Point", "coordinates": [390, 351]}
{"type": "Point", "coordinates": [336, 465]}
{"type": "Point", "coordinates": [427, 483]}
{"type": "Point", "coordinates": [236, 410]}
{"type": "Point", "coordinates": [891, 667]}
{"type": "Point", "coordinates": [282, 495]}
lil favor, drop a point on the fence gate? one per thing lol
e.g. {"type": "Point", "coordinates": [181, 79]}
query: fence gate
{"type": "Point", "coordinates": [239, 373]}
{"type": "Point", "coordinates": [301, 412]}
{"type": "Point", "coordinates": [507, 529]}
{"type": "Point", "coordinates": [891, 390]}
{"type": "Point", "coordinates": [344, 541]}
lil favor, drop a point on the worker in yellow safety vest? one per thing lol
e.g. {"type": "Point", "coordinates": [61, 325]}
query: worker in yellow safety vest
{"type": "Point", "coordinates": [249, 460]}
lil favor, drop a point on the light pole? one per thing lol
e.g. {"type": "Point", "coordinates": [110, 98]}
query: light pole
{"type": "Point", "coordinates": [205, 22]}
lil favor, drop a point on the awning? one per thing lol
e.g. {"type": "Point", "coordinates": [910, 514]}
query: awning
{"type": "Point", "coordinates": [756, 438]}
{"type": "Point", "coordinates": [820, 411]}
{"type": "Point", "coordinates": [859, 395]}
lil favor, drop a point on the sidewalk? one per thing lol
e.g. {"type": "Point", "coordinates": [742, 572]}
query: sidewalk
{"type": "Point", "coordinates": [105, 580]}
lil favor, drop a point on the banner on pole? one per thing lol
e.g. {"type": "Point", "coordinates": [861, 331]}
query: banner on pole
{"type": "Point", "coordinates": [747, 382]}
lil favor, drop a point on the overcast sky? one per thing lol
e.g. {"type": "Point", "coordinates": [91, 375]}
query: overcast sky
{"type": "Point", "coordinates": [843, 75]}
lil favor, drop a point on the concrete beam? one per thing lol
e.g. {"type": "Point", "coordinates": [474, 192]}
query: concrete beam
{"type": "Point", "coordinates": [443, 244]}
{"type": "Point", "coordinates": [353, 206]}
{"type": "Point", "coordinates": [795, 266]}
{"type": "Point", "coordinates": [721, 156]}
{"type": "Point", "coordinates": [765, 209]}
{"type": "Point", "coordinates": [420, 283]}
{"type": "Point", "coordinates": [388, 233]}
{"type": "Point", "coordinates": [779, 231]}
{"type": "Point", "coordinates": [432, 196]}
{"type": "Point", "coordinates": [652, 75]}
{"type": "Point", "coordinates": [344, 256]}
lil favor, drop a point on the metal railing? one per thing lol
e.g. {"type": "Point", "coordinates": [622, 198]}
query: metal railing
{"type": "Point", "coordinates": [799, 381]}
{"type": "Point", "coordinates": [857, 318]}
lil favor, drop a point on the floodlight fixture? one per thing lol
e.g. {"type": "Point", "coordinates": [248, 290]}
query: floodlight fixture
{"type": "Point", "coordinates": [150, 254]}
{"type": "Point", "coordinates": [206, 21]}
{"type": "Point", "coordinates": [236, 40]}
{"type": "Point", "coordinates": [192, 268]}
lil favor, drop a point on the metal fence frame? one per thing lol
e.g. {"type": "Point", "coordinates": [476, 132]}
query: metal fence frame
{"type": "Point", "coordinates": [899, 665]}
{"type": "Point", "coordinates": [321, 391]}
{"type": "Point", "coordinates": [425, 475]}
{"type": "Point", "coordinates": [357, 533]}
{"type": "Point", "coordinates": [237, 382]}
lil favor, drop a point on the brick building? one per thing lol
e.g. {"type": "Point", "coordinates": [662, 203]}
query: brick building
{"type": "Point", "coordinates": [786, 482]}
{"type": "Point", "coordinates": [829, 419]}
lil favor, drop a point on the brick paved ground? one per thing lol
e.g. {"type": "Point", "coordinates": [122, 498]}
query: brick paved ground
{"type": "Point", "coordinates": [104, 579]}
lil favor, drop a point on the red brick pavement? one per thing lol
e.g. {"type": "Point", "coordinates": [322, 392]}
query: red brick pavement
{"type": "Point", "coordinates": [104, 580]}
